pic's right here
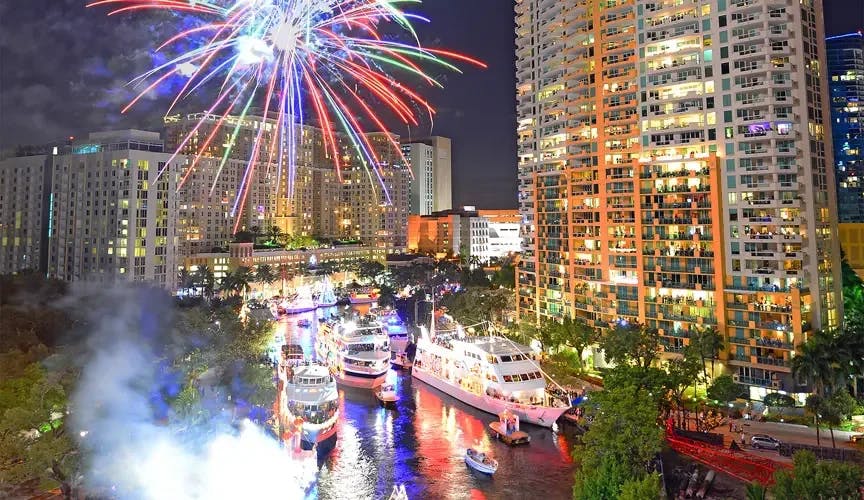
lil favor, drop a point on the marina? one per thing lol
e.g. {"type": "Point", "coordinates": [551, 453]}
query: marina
{"type": "Point", "coordinates": [421, 446]}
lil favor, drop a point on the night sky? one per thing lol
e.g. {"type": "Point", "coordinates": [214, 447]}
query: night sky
{"type": "Point", "coordinates": [63, 70]}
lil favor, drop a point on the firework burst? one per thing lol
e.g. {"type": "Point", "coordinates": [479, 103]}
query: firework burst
{"type": "Point", "coordinates": [329, 56]}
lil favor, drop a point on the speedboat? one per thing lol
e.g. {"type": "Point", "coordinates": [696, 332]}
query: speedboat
{"type": "Point", "coordinates": [387, 395]}
{"type": "Point", "coordinates": [480, 461]}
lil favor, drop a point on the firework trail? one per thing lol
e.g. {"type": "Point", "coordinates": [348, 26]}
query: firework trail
{"type": "Point", "coordinates": [330, 56]}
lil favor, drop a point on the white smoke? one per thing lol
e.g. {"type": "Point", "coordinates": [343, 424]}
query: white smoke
{"type": "Point", "coordinates": [130, 455]}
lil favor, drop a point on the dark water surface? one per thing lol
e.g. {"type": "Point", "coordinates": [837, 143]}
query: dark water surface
{"type": "Point", "coordinates": [422, 442]}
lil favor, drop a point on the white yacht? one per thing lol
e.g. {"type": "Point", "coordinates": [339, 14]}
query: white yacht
{"type": "Point", "coordinates": [493, 374]}
{"type": "Point", "coordinates": [358, 355]}
{"type": "Point", "coordinates": [308, 402]}
{"type": "Point", "coordinates": [396, 329]}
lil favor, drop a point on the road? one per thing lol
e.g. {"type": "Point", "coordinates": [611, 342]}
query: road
{"type": "Point", "coordinates": [786, 433]}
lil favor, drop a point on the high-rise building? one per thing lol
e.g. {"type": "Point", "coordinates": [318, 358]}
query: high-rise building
{"type": "Point", "coordinates": [431, 165]}
{"type": "Point", "coordinates": [419, 157]}
{"type": "Point", "coordinates": [313, 200]}
{"type": "Point", "coordinates": [674, 170]}
{"type": "Point", "coordinates": [374, 206]}
{"type": "Point", "coordinates": [24, 192]}
{"type": "Point", "coordinates": [111, 215]}
{"type": "Point", "coordinates": [846, 70]}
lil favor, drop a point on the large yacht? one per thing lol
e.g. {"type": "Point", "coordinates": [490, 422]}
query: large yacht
{"type": "Point", "coordinates": [400, 339]}
{"type": "Point", "coordinates": [358, 354]}
{"type": "Point", "coordinates": [492, 373]}
{"type": "Point", "coordinates": [308, 402]}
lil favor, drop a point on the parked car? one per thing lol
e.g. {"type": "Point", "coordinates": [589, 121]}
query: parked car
{"type": "Point", "coordinates": [764, 441]}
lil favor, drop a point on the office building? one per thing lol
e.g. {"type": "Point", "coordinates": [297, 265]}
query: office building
{"type": "Point", "coordinates": [24, 192]}
{"type": "Point", "coordinates": [846, 71]}
{"type": "Point", "coordinates": [674, 170]}
{"type": "Point", "coordinates": [450, 233]}
{"type": "Point", "coordinates": [111, 215]}
{"type": "Point", "coordinates": [431, 165]}
{"type": "Point", "coordinates": [504, 237]}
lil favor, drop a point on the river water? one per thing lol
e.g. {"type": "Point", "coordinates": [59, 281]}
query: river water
{"type": "Point", "coordinates": [421, 444]}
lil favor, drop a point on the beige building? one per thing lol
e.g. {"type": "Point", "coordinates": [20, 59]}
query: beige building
{"type": "Point", "coordinates": [24, 190]}
{"type": "Point", "coordinates": [110, 214]}
{"type": "Point", "coordinates": [430, 160]}
{"type": "Point", "coordinates": [674, 169]}
{"type": "Point", "coordinates": [291, 261]}
{"type": "Point", "coordinates": [314, 201]}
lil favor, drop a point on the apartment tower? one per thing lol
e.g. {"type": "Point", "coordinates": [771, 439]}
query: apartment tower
{"type": "Point", "coordinates": [674, 169]}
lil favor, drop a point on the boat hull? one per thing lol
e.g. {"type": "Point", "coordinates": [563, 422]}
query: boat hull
{"type": "Point", "coordinates": [299, 310]}
{"type": "Point", "coordinates": [542, 416]}
{"type": "Point", "coordinates": [480, 467]}
{"type": "Point", "coordinates": [362, 300]}
{"type": "Point", "coordinates": [312, 437]}
{"type": "Point", "coordinates": [360, 381]}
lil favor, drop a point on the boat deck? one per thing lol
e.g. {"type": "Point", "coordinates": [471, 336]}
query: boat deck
{"type": "Point", "coordinates": [512, 439]}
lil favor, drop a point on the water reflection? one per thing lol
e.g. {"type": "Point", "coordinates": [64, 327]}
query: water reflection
{"type": "Point", "coordinates": [421, 443]}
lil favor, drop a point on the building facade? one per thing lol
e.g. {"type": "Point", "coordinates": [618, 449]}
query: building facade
{"type": "Point", "coordinates": [674, 169]}
{"type": "Point", "coordinates": [420, 158]}
{"type": "Point", "coordinates": [291, 261]}
{"type": "Point", "coordinates": [504, 237]}
{"type": "Point", "coordinates": [464, 232]}
{"type": "Point", "coordinates": [111, 215]}
{"type": "Point", "coordinates": [846, 70]}
{"type": "Point", "coordinates": [313, 198]}
{"type": "Point", "coordinates": [24, 192]}
{"type": "Point", "coordinates": [432, 172]}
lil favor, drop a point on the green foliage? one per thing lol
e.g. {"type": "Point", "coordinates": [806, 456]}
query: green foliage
{"type": "Point", "coordinates": [707, 344]}
{"type": "Point", "coordinates": [371, 271]}
{"type": "Point", "coordinates": [777, 400]}
{"type": "Point", "coordinates": [756, 491]}
{"type": "Point", "coordinates": [646, 488]}
{"type": "Point", "coordinates": [724, 389]}
{"type": "Point", "coordinates": [299, 241]}
{"type": "Point", "coordinates": [265, 274]}
{"type": "Point", "coordinates": [624, 429]}
{"type": "Point", "coordinates": [603, 483]}
{"type": "Point", "coordinates": [474, 305]}
{"type": "Point", "coordinates": [631, 343]}
{"type": "Point", "coordinates": [505, 276]}
{"type": "Point", "coordinates": [35, 444]}
{"type": "Point", "coordinates": [817, 479]}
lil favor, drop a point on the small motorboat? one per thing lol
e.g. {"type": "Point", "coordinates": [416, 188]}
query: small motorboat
{"type": "Point", "coordinates": [387, 395]}
{"type": "Point", "coordinates": [304, 323]}
{"type": "Point", "coordinates": [480, 461]}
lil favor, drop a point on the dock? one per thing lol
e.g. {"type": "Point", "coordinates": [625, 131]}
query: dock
{"type": "Point", "coordinates": [512, 439]}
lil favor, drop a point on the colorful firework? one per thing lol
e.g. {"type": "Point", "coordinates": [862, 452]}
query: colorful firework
{"type": "Point", "coordinates": [328, 55]}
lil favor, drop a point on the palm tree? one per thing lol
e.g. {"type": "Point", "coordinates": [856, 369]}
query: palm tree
{"type": "Point", "coordinates": [817, 361]}
{"type": "Point", "coordinates": [205, 279]}
{"type": "Point", "coordinates": [256, 233]}
{"type": "Point", "coordinates": [241, 278]}
{"type": "Point", "coordinates": [275, 233]}
{"type": "Point", "coordinates": [283, 270]}
{"type": "Point", "coordinates": [264, 274]}
{"type": "Point", "coordinates": [184, 280]}
{"type": "Point", "coordinates": [709, 343]}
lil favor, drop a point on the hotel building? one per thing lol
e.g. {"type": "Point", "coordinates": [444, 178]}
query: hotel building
{"type": "Point", "coordinates": [25, 183]}
{"type": "Point", "coordinates": [674, 169]}
{"type": "Point", "coordinates": [846, 71]}
{"type": "Point", "coordinates": [110, 214]}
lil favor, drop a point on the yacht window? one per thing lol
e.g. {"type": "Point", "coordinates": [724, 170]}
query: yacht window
{"type": "Point", "coordinates": [505, 359]}
{"type": "Point", "coordinates": [525, 376]}
{"type": "Point", "coordinates": [507, 378]}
